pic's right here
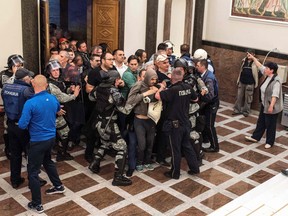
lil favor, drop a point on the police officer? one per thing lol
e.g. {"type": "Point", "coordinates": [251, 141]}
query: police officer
{"type": "Point", "coordinates": [199, 87]}
{"type": "Point", "coordinates": [14, 62]}
{"type": "Point", "coordinates": [177, 124]}
{"type": "Point", "coordinates": [201, 54]}
{"type": "Point", "coordinates": [108, 98]}
{"type": "Point", "coordinates": [7, 76]}
{"type": "Point", "coordinates": [209, 105]}
{"type": "Point", "coordinates": [58, 88]}
{"type": "Point", "coordinates": [14, 96]}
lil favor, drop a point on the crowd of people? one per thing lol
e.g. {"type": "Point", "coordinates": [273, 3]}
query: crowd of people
{"type": "Point", "coordinates": [146, 111]}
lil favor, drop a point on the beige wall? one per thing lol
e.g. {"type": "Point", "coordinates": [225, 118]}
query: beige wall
{"type": "Point", "coordinates": [11, 30]}
{"type": "Point", "coordinates": [220, 27]}
{"type": "Point", "coordinates": [135, 24]}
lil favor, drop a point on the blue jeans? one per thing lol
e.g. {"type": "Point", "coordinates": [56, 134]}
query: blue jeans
{"type": "Point", "coordinates": [40, 153]}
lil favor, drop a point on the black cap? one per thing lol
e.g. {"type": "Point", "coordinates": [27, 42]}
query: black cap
{"type": "Point", "coordinates": [23, 72]}
{"type": "Point", "coordinates": [273, 66]}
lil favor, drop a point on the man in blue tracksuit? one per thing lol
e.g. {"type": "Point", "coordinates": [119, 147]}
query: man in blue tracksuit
{"type": "Point", "coordinates": [39, 117]}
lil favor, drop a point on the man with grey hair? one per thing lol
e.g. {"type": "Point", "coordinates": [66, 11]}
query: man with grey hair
{"type": "Point", "coordinates": [176, 125]}
{"type": "Point", "coordinates": [96, 50]}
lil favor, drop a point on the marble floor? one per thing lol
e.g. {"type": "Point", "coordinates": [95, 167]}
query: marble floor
{"type": "Point", "coordinates": [239, 167]}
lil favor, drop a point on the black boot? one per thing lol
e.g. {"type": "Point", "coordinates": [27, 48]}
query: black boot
{"type": "Point", "coordinates": [119, 178]}
{"type": "Point", "coordinates": [63, 156]}
{"type": "Point", "coordinates": [62, 153]}
{"type": "Point", "coordinates": [95, 165]}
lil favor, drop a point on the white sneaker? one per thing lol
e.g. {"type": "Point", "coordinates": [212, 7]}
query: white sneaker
{"type": "Point", "coordinates": [267, 146]}
{"type": "Point", "coordinates": [248, 138]}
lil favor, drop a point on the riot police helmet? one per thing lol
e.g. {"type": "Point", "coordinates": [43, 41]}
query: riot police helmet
{"type": "Point", "coordinates": [15, 60]}
{"type": "Point", "coordinates": [112, 75]}
{"type": "Point", "coordinates": [180, 62]}
{"type": "Point", "coordinates": [52, 65]}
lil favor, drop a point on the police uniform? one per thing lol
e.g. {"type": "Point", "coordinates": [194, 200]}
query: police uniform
{"type": "Point", "coordinates": [108, 98]}
{"type": "Point", "coordinates": [57, 88]}
{"type": "Point", "coordinates": [197, 125]}
{"type": "Point", "coordinates": [14, 96]}
{"type": "Point", "coordinates": [7, 76]}
{"type": "Point", "coordinates": [177, 125]}
{"type": "Point", "coordinates": [196, 130]}
{"type": "Point", "coordinates": [209, 107]}
{"type": "Point", "coordinates": [4, 77]}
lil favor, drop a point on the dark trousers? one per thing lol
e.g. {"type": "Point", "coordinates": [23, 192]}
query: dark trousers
{"type": "Point", "coordinates": [145, 132]}
{"type": "Point", "coordinates": [161, 142]}
{"type": "Point", "coordinates": [179, 140]}
{"type": "Point", "coordinates": [132, 149]}
{"type": "Point", "coordinates": [122, 125]}
{"type": "Point", "coordinates": [266, 122]}
{"type": "Point", "coordinates": [40, 153]}
{"type": "Point", "coordinates": [18, 140]}
{"type": "Point", "coordinates": [209, 133]}
{"type": "Point", "coordinates": [91, 134]}
{"type": "Point", "coordinates": [75, 132]}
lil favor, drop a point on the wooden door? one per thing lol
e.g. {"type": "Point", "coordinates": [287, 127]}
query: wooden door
{"type": "Point", "coordinates": [105, 15]}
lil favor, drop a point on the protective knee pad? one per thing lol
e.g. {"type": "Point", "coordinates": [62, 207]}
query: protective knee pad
{"type": "Point", "coordinates": [62, 128]}
{"type": "Point", "coordinates": [120, 145]}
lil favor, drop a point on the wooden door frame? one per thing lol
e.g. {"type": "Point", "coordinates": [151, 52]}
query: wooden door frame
{"type": "Point", "coordinates": [120, 24]}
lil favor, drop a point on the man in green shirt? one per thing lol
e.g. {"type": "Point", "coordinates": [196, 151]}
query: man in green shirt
{"type": "Point", "coordinates": [130, 75]}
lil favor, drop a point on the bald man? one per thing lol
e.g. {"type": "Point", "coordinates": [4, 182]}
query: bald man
{"type": "Point", "coordinates": [39, 117]}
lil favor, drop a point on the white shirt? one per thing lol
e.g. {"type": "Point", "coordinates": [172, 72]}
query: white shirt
{"type": "Point", "coordinates": [121, 69]}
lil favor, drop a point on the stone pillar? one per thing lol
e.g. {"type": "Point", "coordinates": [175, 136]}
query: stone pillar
{"type": "Point", "coordinates": [121, 23]}
{"type": "Point", "coordinates": [198, 24]}
{"type": "Point", "coordinates": [29, 9]}
{"type": "Point", "coordinates": [151, 26]}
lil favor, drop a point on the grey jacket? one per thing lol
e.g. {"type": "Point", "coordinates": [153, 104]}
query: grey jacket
{"type": "Point", "coordinates": [278, 107]}
{"type": "Point", "coordinates": [135, 97]}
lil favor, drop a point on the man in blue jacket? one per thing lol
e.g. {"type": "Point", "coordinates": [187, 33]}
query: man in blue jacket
{"type": "Point", "coordinates": [209, 104]}
{"type": "Point", "coordinates": [39, 117]}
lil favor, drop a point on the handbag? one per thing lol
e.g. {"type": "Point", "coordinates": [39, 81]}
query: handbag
{"type": "Point", "coordinates": [154, 111]}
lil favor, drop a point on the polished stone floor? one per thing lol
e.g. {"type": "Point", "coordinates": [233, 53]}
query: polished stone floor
{"type": "Point", "coordinates": [239, 167]}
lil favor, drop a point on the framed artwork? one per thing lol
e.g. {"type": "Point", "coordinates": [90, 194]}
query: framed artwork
{"type": "Point", "coordinates": [264, 10]}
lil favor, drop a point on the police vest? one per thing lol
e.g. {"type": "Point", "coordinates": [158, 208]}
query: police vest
{"type": "Point", "coordinates": [59, 84]}
{"type": "Point", "coordinates": [13, 98]}
{"type": "Point", "coordinates": [103, 105]}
